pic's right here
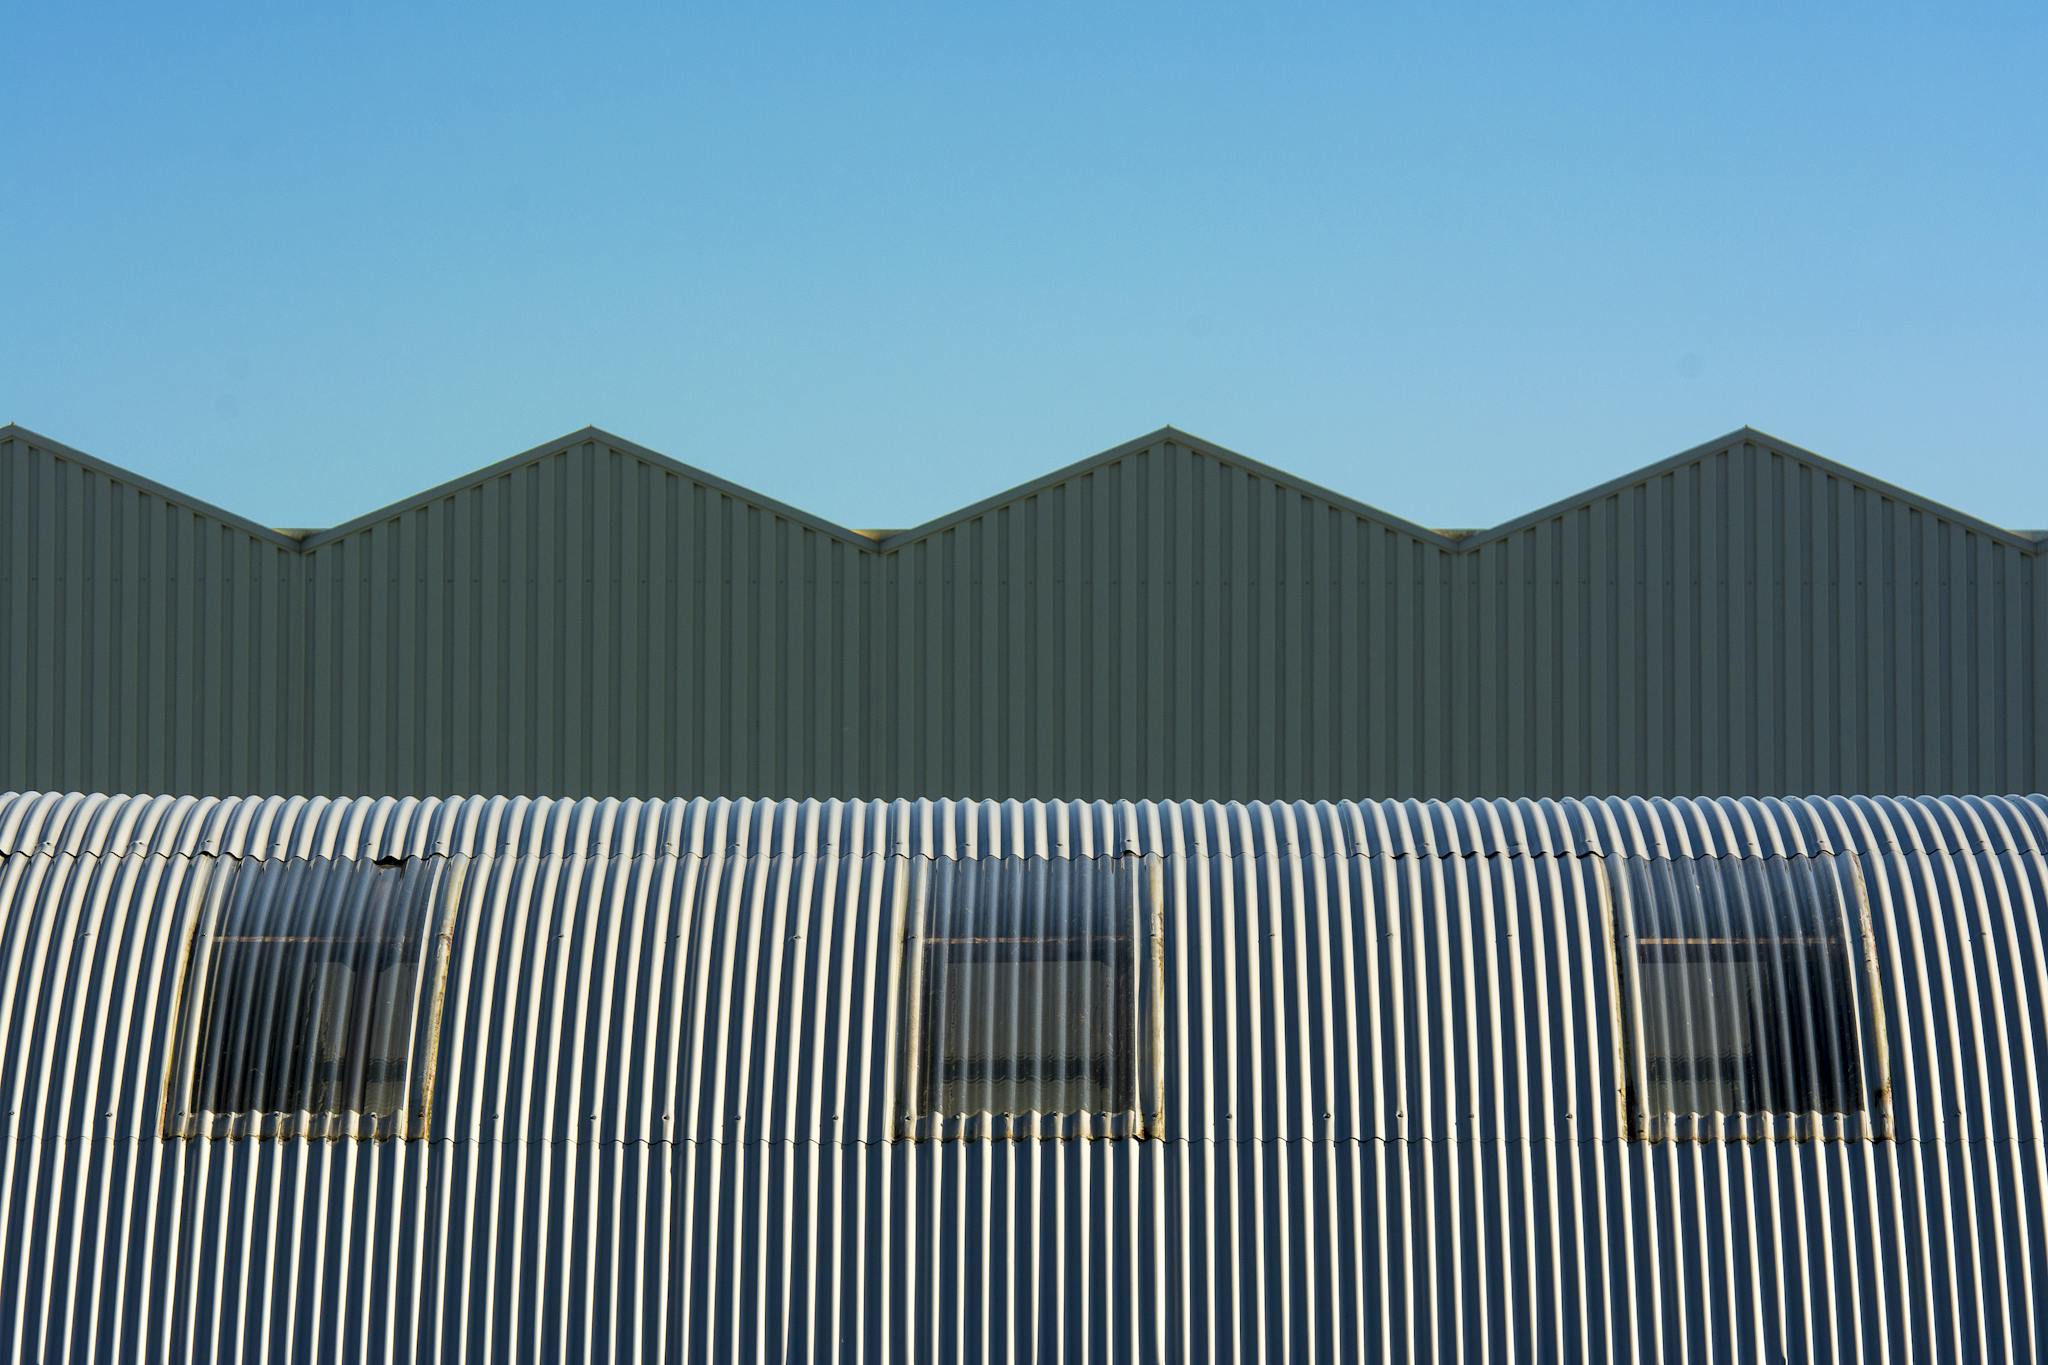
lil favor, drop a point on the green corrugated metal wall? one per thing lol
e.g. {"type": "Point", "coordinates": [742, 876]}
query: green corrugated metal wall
{"type": "Point", "coordinates": [586, 623]}
{"type": "Point", "coordinates": [1168, 619]}
{"type": "Point", "coordinates": [146, 641]}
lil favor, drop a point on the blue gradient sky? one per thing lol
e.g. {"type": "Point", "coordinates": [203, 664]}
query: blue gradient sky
{"type": "Point", "coordinates": [880, 262]}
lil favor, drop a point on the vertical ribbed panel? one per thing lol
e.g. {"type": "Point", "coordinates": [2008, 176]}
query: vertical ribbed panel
{"type": "Point", "coordinates": [583, 623]}
{"type": "Point", "coordinates": [1168, 618]}
{"type": "Point", "coordinates": [1394, 1119]}
{"type": "Point", "coordinates": [1168, 622]}
{"type": "Point", "coordinates": [145, 636]}
{"type": "Point", "coordinates": [1751, 622]}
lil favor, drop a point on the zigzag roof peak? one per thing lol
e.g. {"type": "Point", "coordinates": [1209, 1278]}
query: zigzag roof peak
{"type": "Point", "coordinates": [885, 541]}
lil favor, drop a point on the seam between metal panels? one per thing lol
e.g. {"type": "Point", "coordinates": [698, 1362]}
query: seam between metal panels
{"type": "Point", "coordinates": [2021, 1140]}
{"type": "Point", "coordinates": [363, 854]}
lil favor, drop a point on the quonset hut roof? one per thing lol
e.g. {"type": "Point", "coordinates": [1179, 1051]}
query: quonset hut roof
{"type": "Point", "coordinates": [1398, 1069]}
{"type": "Point", "coordinates": [81, 825]}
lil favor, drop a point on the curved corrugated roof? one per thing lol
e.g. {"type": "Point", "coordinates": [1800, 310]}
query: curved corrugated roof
{"type": "Point", "coordinates": [1394, 1119]}
{"type": "Point", "coordinates": [362, 827]}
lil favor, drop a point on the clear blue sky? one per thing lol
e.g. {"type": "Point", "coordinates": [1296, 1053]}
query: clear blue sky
{"type": "Point", "coordinates": [882, 262]}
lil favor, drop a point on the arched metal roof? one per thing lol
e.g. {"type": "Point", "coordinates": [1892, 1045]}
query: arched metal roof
{"type": "Point", "coordinates": [1394, 1052]}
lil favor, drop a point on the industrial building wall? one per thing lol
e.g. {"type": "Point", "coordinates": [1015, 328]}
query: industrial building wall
{"type": "Point", "coordinates": [147, 638]}
{"type": "Point", "coordinates": [582, 622]}
{"type": "Point", "coordinates": [1749, 622]}
{"type": "Point", "coordinates": [1167, 617]}
{"type": "Point", "coordinates": [1169, 622]}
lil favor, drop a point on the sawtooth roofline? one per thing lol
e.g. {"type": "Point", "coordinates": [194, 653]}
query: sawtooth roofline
{"type": "Point", "coordinates": [883, 543]}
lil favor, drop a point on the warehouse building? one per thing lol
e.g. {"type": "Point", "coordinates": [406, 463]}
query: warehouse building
{"type": "Point", "coordinates": [1166, 618]}
{"type": "Point", "coordinates": [369, 1072]}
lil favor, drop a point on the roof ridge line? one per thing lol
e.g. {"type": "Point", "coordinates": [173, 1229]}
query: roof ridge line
{"type": "Point", "coordinates": [13, 431]}
{"type": "Point", "coordinates": [562, 445]}
{"type": "Point", "coordinates": [1467, 541]}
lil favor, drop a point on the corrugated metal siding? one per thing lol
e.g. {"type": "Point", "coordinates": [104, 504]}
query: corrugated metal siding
{"type": "Point", "coordinates": [144, 636]}
{"type": "Point", "coordinates": [1747, 622]}
{"type": "Point", "coordinates": [1750, 623]}
{"type": "Point", "coordinates": [1166, 618]}
{"type": "Point", "coordinates": [1393, 1109]}
{"type": "Point", "coordinates": [581, 623]}
{"type": "Point", "coordinates": [1169, 622]}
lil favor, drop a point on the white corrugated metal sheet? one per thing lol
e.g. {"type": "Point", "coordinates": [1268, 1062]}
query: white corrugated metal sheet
{"type": "Point", "coordinates": [1393, 1117]}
